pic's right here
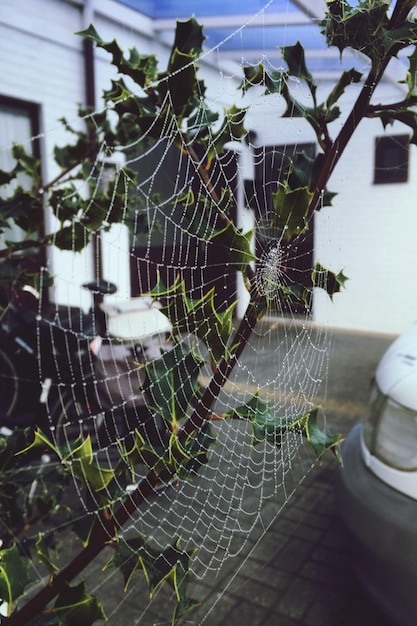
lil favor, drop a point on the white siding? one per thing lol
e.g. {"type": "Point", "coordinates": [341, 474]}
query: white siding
{"type": "Point", "coordinates": [369, 232]}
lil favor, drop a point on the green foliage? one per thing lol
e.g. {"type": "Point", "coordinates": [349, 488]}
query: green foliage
{"type": "Point", "coordinates": [172, 382]}
{"type": "Point", "coordinates": [17, 507]}
{"type": "Point", "coordinates": [42, 550]}
{"type": "Point", "coordinates": [173, 101]}
{"type": "Point", "coordinates": [199, 317]}
{"type": "Point", "coordinates": [327, 280]}
{"type": "Point", "coordinates": [14, 576]}
{"type": "Point", "coordinates": [74, 607]}
{"type": "Point", "coordinates": [367, 27]}
{"type": "Point", "coordinates": [267, 426]}
{"type": "Point", "coordinates": [171, 566]}
{"type": "Point", "coordinates": [291, 209]}
{"type": "Point", "coordinates": [210, 222]}
{"type": "Point", "coordinates": [77, 458]}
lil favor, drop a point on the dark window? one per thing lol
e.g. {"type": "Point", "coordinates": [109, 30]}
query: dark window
{"type": "Point", "coordinates": [19, 124]}
{"type": "Point", "coordinates": [391, 159]}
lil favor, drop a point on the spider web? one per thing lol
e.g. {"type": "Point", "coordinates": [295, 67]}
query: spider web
{"type": "Point", "coordinates": [227, 505]}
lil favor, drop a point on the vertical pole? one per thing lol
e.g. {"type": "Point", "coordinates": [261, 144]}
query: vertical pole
{"type": "Point", "coordinates": [90, 101]}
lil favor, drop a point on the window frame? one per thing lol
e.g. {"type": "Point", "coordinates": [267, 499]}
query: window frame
{"type": "Point", "coordinates": [33, 111]}
{"type": "Point", "coordinates": [395, 174]}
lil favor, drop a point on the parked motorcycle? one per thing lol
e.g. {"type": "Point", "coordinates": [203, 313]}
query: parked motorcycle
{"type": "Point", "coordinates": [82, 376]}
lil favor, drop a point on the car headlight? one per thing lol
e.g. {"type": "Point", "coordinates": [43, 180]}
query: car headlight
{"type": "Point", "coordinates": [390, 431]}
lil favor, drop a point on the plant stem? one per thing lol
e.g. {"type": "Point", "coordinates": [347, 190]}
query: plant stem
{"type": "Point", "coordinates": [111, 524]}
{"type": "Point", "coordinates": [358, 112]}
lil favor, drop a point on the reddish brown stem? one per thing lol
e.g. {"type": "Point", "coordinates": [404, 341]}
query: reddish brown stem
{"type": "Point", "coordinates": [111, 524]}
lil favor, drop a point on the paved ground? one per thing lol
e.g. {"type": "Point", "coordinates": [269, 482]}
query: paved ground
{"type": "Point", "coordinates": [298, 574]}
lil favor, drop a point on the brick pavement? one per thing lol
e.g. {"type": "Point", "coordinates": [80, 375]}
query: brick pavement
{"type": "Point", "coordinates": [298, 573]}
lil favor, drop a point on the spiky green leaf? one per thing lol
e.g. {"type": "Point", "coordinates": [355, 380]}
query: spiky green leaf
{"type": "Point", "coordinates": [232, 129]}
{"type": "Point", "coordinates": [327, 280]}
{"type": "Point", "coordinates": [171, 382]}
{"type": "Point", "coordinates": [320, 441]}
{"type": "Point", "coordinates": [267, 426]}
{"type": "Point", "coordinates": [43, 554]}
{"type": "Point", "coordinates": [273, 82]}
{"type": "Point", "coordinates": [291, 209]}
{"type": "Point", "coordinates": [197, 316]}
{"type": "Point", "coordinates": [14, 574]}
{"type": "Point", "coordinates": [81, 461]}
{"type": "Point", "coordinates": [75, 607]}
{"type": "Point", "coordinates": [294, 57]}
{"type": "Point", "coordinates": [210, 222]}
{"type": "Point", "coordinates": [128, 556]}
{"type": "Point", "coordinates": [348, 77]}
{"type": "Point", "coordinates": [141, 68]}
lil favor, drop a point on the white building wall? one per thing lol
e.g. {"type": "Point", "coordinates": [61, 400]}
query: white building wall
{"type": "Point", "coordinates": [369, 232]}
{"type": "Point", "coordinates": [41, 61]}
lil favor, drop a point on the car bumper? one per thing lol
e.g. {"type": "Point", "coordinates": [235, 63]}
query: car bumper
{"type": "Point", "coordinates": [381, 524]}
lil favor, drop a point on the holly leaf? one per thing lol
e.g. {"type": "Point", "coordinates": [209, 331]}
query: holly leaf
{"type": "Point", "coordinates": [327, 280]}
{"type": "Point", "coordinates": [346, 79]}
{"type": "Point", "coordinates": [406, 116]}
{"type": "Point", "coordinates": [189, 38]}
{"type": "Point", "coordinates": [295, 59]}
{"type": "Point", "coordinates": [128, 557]}
{"type": "Point", "coordinates": [7, 177]}
{"type": "Point", "coordinates": [411, 78]}
{"type": "Point", "coordinates": [43, 555]}
{"type": "Point", "coordinates": [232, 129]}
{"type": "Point", "coordinates": [238, 243]}
{"type": "Point", "coordinates": [171, 382]}
{"type": "Point", "coordinates": [367, 29]}
{"type": "Point", "coordinates": [14, 575]}
{"type": "Point", "coordinates": [141, 68]}
{"type": "Point", "coordinates": [156, 459]}
{"type": "Point", "coordinates": [39, 440]}
{"type": "Point", "coordinates": [199, 317]}
{"type": "Point", "coordinates": [85, 526]}
{"type": "Point", "coordinates": [180, 83]}
{"type": "Point", "coordinates": [259, 75]}
{"type": "Point", "coordinates": [267, 426]}
{"type": "Point", "coordinates": [74, 237]}
{"type": "Point", "coordinates": [184, 606]}
{"type": "Point", "coordinates": [320, 441]}
{"type": "Point", "coordinates": [203, 219]}
{"type": "Point", "coordinates": [180, 80]}
{"type": "Point", "coordinates": [77, 457]}
{"type": "Point", "coordinates": [81, 461]}
{"type": "Point", "coordinates": [74, 607]}
{"type": "Point", "coordinates": [171, 565]}
{"type": "Point", "coordinates": [290, 209]}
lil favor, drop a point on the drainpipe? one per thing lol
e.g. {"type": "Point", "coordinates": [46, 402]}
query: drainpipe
{"type": "Point", "coordinates": [90, 101]}
{"type": "Point", "coordinates": [88, 46]}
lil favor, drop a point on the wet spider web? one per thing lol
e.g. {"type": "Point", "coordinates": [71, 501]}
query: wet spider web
{"type": "Point", "coordinates": [225, 506]}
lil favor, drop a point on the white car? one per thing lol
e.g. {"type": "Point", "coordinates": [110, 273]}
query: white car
{"type": "Point", "coordinates": [377, 488]}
